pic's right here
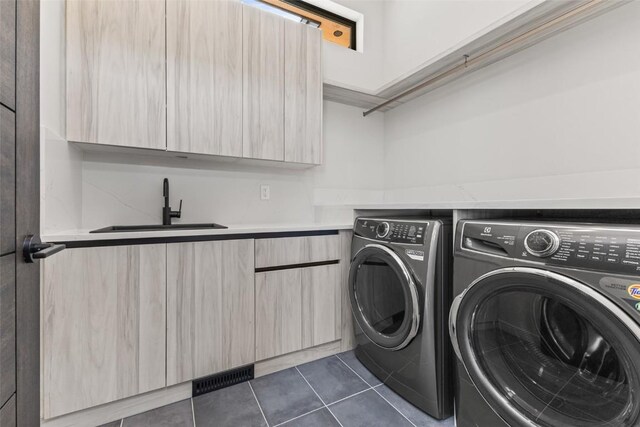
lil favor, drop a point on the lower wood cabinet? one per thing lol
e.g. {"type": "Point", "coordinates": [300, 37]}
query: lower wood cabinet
{"type": "Point", "coordinates": [103, 325]}
{"type": "Point", "coordinates": [210, 308]}
{"type": "Point", "coordinates": [120, 321]}
{"type": "Point", "coordinates": [296, 309]}
{"type": "Point", "coordinates": [278, 313]}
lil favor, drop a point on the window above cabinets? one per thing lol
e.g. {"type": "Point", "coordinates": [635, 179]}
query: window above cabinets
{"type": "Point", "coordinates": [338, 28]}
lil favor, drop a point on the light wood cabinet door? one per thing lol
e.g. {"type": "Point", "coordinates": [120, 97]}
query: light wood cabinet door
{"type": "Point", "coordinates": [204, 77]}
{"type": "Point", "coordinates": [297, 250]}
{"type": "Point", "coordinates": [263, 85]}
{"type": "Point", "coordinates": [303, 93]}
{"type": "Point", "coordinates": [278, 313]}
{"type": "Point", "coordinates": [321, 305]}
{"type": "Point", "coordinates": [296, 309]}
{"type": "Point", "coordinates": [210, 308]}
{"type": "Point", "coordinates": [116, 72]}
{"type": "Point", "coordinates": [104, 325]}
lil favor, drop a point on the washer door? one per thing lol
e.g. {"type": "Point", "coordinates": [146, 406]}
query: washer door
{"type": "Point", "coordinates": [547, 350]}
{"type": "Point", "coordinates": [384, 299]}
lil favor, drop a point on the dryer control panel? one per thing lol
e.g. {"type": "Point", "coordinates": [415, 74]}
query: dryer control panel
{"type": "Point", "coordinates": [410, 232]}
{"type": "Point", "coordinates": [591, 246]}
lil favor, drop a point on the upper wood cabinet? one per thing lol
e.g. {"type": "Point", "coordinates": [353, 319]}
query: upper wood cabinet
{"type": "Point", "coordinates": [210, 308]}
{"type": "Point", "coordinates": [302, 93]}
{"type": "Point", "coordinates": [116, 72]}
{"type": "Point", "coordinates": [237, 81]}
{"type": "Point", "coordinates": [204, 77]}
{"type": "Point", "coordinates": [282, 89]}
{"type": "Point", "coordinates": [103, 325]}
{"type": "Point", "coordinates": [263, 88]}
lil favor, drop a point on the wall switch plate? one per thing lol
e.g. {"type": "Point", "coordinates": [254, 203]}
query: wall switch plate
{"type": "Point", "coordinates": [265, 192]}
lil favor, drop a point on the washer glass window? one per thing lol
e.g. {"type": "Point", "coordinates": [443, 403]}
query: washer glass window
{"type": "Point", "coordinates": [542, 352]}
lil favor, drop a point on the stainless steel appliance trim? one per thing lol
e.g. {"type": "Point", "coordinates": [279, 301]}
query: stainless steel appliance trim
{"type": "Point", "coordinates": [453, 317]}
{"type": "Point", "coordinates": [415, 319]}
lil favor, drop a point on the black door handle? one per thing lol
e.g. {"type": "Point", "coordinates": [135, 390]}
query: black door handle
{"type": "Point", "coordinates": [33, 249]}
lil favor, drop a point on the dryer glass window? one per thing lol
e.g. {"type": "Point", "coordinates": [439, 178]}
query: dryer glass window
{"type": "Point", "coordinates": [384, 298]}
{"type": "Point", "coordinates": [380, 296]}
{"type": "Point", "coordinates": [553, 361]}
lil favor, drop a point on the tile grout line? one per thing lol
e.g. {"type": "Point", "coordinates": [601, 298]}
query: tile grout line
{"type": "Point", "coordinates": [314, 390]}
{"type": "Point", "coordinates": [345, 364]}
{"type": "Point", "coordinates": [193, 413]}
{"type": "Point", "coordinates": [300, 416]}
{"type": "Point", "coordinates": [258, 402]}
{"type": "Point", "coordinates": [398, 410]}
{"type": "Point", "coordinates": [374, 389]}
{"type": "Point", "coordinates": [350, 396]}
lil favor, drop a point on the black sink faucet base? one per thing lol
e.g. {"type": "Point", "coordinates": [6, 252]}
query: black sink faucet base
{"type": "Point", "coordinates": [167, 213]}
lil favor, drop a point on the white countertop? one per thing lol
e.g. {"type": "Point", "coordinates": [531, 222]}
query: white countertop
{"type": "Point", "coordinates": [599, 203]}
{"type": "Point", "coordinates": [84, 235]}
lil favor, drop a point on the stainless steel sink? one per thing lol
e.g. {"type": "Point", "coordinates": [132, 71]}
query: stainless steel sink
{"type": "Point", "coordinates": [157, 227]}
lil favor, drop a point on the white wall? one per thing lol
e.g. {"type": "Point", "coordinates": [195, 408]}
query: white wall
{"type": "Point", "coordinates": [400, 36]}
{"type": "Point", "coordinates": [417, 31]}
{"type": "Point", "coordinates": [358, 70]}
{"type": "Point", "coordinates": [559, 120]}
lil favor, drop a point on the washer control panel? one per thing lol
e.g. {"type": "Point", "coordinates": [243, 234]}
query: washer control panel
{"type": "Point", "coordinates": [590, 246]}
{"type": "Point", "coordinates": [410, 232]}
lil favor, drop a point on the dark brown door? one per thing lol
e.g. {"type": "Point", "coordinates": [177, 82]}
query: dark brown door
{"type": "Point", "coordinates": [19, 212]}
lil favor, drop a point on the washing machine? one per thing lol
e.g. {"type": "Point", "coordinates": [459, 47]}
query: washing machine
{"type": "Point", "coordinates": [400, 291]}
{"type": "Point", "coordinates": [546, 324]}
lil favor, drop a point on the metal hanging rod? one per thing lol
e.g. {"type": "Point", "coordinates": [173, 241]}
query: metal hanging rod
{"type": "Point", "coordinates": [468, 62]}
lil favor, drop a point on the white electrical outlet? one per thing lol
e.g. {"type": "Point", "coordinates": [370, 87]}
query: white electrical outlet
{"type": "Point", "coordinates": [265, 192]}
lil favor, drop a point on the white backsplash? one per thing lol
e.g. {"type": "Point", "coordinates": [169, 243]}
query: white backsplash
{"type": "Point", "coordinates": [132, 194]}
{"type": "Point", "coordinates": [88, 189]}
{"type": "Point", "coordinates": [61, 183]}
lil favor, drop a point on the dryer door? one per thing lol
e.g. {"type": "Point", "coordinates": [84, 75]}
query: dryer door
{"type": "Point", "coordinates": [546, 350]}
{"type": "Point", "coordinates": [384, 298]}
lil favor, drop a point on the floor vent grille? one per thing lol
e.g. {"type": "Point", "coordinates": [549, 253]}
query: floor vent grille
{"type": "Point", "coordinates": [224, 379]}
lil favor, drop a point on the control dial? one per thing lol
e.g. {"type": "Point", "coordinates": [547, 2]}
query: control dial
{"type": "Point", "coordinates": [383, 229]}
{"type": "Point", "coordinates": [542, 243]}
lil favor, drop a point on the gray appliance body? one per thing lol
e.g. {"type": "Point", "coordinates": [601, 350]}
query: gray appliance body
{"type": "Point", "coordinates": [400, 290]}
{"type": "Point", "coordinates": [545, 324]}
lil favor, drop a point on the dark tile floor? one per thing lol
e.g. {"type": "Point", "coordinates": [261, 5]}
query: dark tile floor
{"type": "Point", "coordinates": [334, 391]}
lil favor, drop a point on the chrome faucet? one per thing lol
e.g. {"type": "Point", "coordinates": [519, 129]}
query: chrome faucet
{"type": "Point", "coordinates": [167, 213]}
